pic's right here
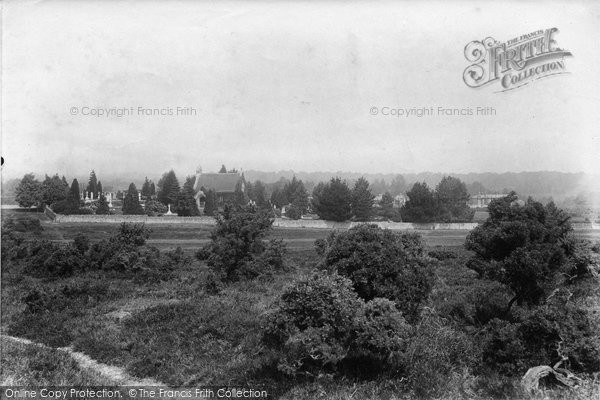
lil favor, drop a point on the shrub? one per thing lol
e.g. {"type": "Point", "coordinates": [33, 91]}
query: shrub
{"type": "Point", "coordinates": [442, 254]}
{"type": "Point", "coordinates": [46, 259]}
{"type": "Point", "coordinates": [132, 234]}
{"type": "Point", "coordinates": [13, 244]}
{"type": "Point", "coordinates": [177, 258]}
{"type": "Point", "coordinates": [381, 263]}
{"type": "Point", "coordinates": [319, 325]}
{"type": "Point", "coordinates": [382, 332]}
{"type": "Point", "coordinates": [311, 325]}
{"type": "Point", "coordinates": [237, 250]}
{"type": "Point", "coordinates": [81, 243]}
{"type": "Point", "coordinates": [155, 208]}
{"type": "Point", "coordinates": [293, 212]}
{"type": "Point", "coordinates": [543, 336]}
{"type": "Point", "coordinates": [65, 207]}
{"type": "Point", "coordinates": [267, 262]}
{"type": "Point", "coordinates": [474, 304]}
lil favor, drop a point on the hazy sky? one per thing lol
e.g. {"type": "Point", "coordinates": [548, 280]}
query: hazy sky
{"type": "Point", "coordinates": [288, 85]}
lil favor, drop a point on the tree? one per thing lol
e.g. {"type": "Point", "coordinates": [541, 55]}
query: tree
{"type": "Point", "coordinates": [421, 205]}
{"type": "Point", "coordinates": [452, 200]}
{"type": "Point", "coordinates": [131, 204]}
{"type": "Point", "coordinates": [186, 203]}
{"type": "Point", "coordinates": [146, 189]}
{"type": "Point", "coordinates": [73, 198]}
{"type": "Point", "coordinates": [54, 190]}
{"type": "Point", "coordinates": [362, 200]}
{"type": "Point", "coordinates": [92, 186]}
{"type": "Point", "coordinates": [278, 198]}
{"type": "Point", "coordinates": [100, 191]}
{"type": "Point", "coordinates": [223, 169]}
{"type": "Point", "coordinates": [210, 202]}
{"type": "Point", "coordinates": [260, 195]}
{"type": "Point", "coordinates": [296, 194]}
{"type": "Point", "coordinates": [29, 192]}
{"type": "Point", "coordinates": [332, 200]}
{"type": "Point", "coordinates": [168, 188]}
{"type": "Point", "coordinates": [152, 189]}
{"type": "Point", "coordinates": [102, 207]}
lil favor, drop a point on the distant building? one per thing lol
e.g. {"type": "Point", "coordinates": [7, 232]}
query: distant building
{"type": "Point", "coordinates": [400, 200]}
{"type": "Point", "coordinates": [223, 184]}
{"type": "Point", "coordinates": [483, 200]}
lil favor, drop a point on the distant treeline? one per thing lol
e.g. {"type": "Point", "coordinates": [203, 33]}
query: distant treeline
{"type": "Point", "coordinates": [537, 184]}
{"type": "Point", "coordinates": [542, 184]}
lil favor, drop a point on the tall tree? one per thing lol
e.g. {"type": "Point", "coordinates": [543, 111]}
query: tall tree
{"type": "Point", "coordinates": [186, 204]}
{"type": "Point", "coordinates": [295, 193]}
{"type": "Point", "coordinates": [73, 198]}
{"type": "Point", "coordinates": [223, 169]}
{"type": "Point", "coordinates": [131, 203]}
{"type": "Point", "coordinates": [421, 205]}
{"type": "Point", "coordinates": [332, 200]}
{"type": "Point", "coordinates": [92, 186]}
{"type": "Point", "coordinates": [299, 199]}
{"type": "Point", "coordinates": [452, 198]}
{"type": "Point", "coordinates": [146, 189]}
{"type": "Point", "coordinates": [168, 188]}
{"type": "Point", "coordinates": [278, 198]}
{"type": "Point", "coordinates": [29, 191]}
{"type": "Point", "coordinates": [260, 195]}
{"type": "Point", "coordinates": [54, 190]}
{"type": "Point", "coordinates": [152, 189]}
{"type": "Point", "coordinates": [362, 200]}
{"type": "Point", "coordinates": [99, 189]}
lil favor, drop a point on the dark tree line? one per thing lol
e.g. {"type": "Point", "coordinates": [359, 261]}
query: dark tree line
{"type": "Point", "coordinates": [447, 203]}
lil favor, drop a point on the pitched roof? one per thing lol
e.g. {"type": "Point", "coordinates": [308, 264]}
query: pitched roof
{"type": "Point", "coordinates": [220, 183]}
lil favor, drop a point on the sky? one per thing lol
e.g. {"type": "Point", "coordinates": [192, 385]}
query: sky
{"type": "Point", "coordinates": [288, 85]}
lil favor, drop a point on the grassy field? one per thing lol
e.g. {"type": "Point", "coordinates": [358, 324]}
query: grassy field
{"type": "Point", "coordinates": [172, 330]}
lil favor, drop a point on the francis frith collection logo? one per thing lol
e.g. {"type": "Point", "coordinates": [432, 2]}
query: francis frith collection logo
{"type": "Point", "coordinates": [516, 62]}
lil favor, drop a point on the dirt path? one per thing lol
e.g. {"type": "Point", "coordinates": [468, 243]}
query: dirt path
{"type": "Point", "coordinates": [116, 375]}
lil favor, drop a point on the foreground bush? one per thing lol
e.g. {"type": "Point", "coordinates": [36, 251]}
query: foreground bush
{"type": "Point", "coordinates": [312, 324]}
{"type": "Point", "coordinates": [237, 249]}
{"type": "Point", "coordinates": [529, 249]}
{"type": "Point", "coordinates": [381, 263]}
{"type": "Point", "coordinates": [543, 336]}
{"type": "Point", "coordinates": [320, 323]}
